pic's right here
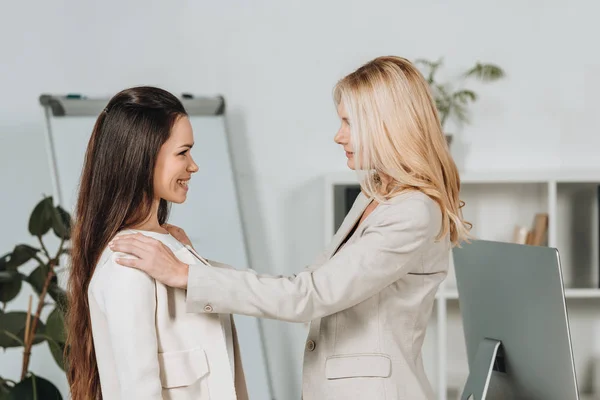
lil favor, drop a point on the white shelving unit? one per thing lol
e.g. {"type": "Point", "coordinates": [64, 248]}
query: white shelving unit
{"type": "Point", "coordinates": [496, 201]}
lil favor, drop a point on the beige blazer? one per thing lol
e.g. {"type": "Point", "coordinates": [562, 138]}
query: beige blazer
{"type": "Point", "coordinates": [148, 347]}
{"type": "Point", "coordinates": [368, 302]}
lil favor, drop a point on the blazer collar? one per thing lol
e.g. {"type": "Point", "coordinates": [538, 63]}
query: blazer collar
{"type": "Point", "coordinates": [354, 215]}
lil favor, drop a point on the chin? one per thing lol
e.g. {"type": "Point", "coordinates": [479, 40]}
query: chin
{"type": "Point", "coordinates": [176, 199]}
{"type": "Point", "coordinates": [350, 164]}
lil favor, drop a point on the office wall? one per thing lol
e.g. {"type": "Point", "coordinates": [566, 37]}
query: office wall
{"type": "Point", "coordinates": [275, 63]}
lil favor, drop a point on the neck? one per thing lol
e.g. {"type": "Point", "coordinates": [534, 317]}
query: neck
{"type": "Point", "coordinates": [151, 223]}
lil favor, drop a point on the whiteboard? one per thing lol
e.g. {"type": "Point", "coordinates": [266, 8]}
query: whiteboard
{"type": "Point", "coordinates": [210, 216]}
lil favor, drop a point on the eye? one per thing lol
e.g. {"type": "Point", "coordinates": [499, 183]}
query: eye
{"type": "Point", "coordinates": [183, 153]}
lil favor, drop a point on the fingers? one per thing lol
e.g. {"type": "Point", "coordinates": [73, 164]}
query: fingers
{"type": "Point", "coordinates": [172, 228]}
{"type": "Point", "coordinates": [127, 262]}
{"type": "Point", "coordinates": [136, 236]}
{"type": "Point", "coordinates": [128, 246]}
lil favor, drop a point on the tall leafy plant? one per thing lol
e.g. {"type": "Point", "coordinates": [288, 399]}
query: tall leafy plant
{"type": "Point", "coordinates": [452, 99]}
{"type": "Point", "coordinates": [26, 329]}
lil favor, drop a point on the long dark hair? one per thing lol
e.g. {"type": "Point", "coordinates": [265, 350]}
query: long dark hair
{"type": "Point", "coordinates": [116, 192]}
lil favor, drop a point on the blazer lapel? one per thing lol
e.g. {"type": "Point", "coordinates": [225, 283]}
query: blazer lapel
{"type": "Point", "coordinates": [357, 210]}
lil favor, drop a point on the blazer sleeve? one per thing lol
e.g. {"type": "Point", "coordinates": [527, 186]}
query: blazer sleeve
{"type": "Point", "coordinates": [318, 261]}
{"type": "Point", "coordinates": [390, 247]}
{"type": "Point", "coordinates": [130, 306]}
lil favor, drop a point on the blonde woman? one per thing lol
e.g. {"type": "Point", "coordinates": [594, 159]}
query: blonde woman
{"type": "Point", "coordinates": [369, 296]}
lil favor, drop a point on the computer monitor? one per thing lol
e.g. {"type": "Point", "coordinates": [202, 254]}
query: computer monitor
{"type": "Point", "coordinates": [512, 303]}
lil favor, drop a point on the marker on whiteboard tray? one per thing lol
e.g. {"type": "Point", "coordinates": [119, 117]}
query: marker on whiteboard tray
{"type": "Point", "coordinates": [75, 96]}
{"type": "Point", "coordinates": [187, 95]}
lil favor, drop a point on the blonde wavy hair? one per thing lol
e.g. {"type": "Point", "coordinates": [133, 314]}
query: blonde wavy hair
{"type": "Point", "coordinates": [397, 138]}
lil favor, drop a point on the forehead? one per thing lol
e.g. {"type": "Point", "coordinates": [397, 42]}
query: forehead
{"type": "Point", "coordinates": [182, 131]}
{"type": "Point", "coordinates": [341, 109]}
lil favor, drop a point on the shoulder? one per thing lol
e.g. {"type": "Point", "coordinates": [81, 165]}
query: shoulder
{"type": "Point", "coordinates": [414, 209]}
{"type": "Point", "coordinates": [109, 276]}
{"type": "Point", "coordinates": [423, 205]}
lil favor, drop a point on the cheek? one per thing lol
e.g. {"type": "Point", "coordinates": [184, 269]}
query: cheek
{"type": "Point", "coordinates": [160, 183]}
{"type": "Point", "coordinates": [164, 176]}
{"type": "Point", "coordinates": [348, 136]}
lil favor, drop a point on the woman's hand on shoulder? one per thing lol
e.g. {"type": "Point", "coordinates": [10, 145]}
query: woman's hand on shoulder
{"type": "Point", "coordinates": [178, 234]}
{"type": "Point", "coordinates": [152, 257]}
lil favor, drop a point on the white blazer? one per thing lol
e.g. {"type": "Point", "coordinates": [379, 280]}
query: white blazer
{"type": "Point", "coordinates": [368, 301]}
{"type": "Point", "coordinates": [148, 347]}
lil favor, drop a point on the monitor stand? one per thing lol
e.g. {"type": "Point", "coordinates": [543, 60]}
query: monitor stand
{"type": "Point", "coordinates": [489, 357]}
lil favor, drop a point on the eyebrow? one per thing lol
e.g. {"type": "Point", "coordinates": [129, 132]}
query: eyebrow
{"type": "Point", "coordinates": [187, 145]}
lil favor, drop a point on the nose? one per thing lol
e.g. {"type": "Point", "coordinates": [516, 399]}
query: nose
{"type": "Point", "coordinates": [192, 167]}
{"type": "Point", "coordinates": [340, 137]}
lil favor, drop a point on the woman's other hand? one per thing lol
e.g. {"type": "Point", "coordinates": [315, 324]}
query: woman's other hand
{"type": "Point", "coordinates": [178, 234]}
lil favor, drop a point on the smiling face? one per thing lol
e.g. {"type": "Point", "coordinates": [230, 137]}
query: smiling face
{"type": "Point", "coordinates": [343, 136]}
{"type": "Point", "coordinates": [174, 164]}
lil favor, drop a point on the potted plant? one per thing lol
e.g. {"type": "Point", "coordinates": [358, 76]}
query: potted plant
{"type": "Point", "coordinates": [452, 100]}
{"type": "Point", "coordinates": [25, 328]}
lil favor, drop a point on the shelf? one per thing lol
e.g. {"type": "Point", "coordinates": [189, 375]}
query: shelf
{"type": "Point", "coordinates": [570, 293]}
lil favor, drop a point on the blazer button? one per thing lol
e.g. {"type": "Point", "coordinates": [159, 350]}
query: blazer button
{"type": "Point", "coordinates": [310, 345]}
{"type": "Point", "coordinates": [208, 308]}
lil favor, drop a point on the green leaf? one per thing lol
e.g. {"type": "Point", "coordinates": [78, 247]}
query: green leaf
{"type": "Point", "coordinates": [13, 324]}
{"type": "Point", "coordinates": [432, 66]}
{"type": "Point", "coordinates": [58, 352]}
{"type": "Point", "coordinates": [10, 285]}
{"type": "Point", "coordinates": [7, 276]}
{"type": "Point", "coordinates": [57, 349]}
{"type": "Point", "coordinates": [464, 96]}
{"type": "Point", "coordinates": [40, 220]}
{"type": "Point", "coordinates": [55, 326]}
{"type": "Point", "coordinates": [426, 62]}
{"type": "Point", "coordinates": [5, 387]}
{"type": "Point", "coordinates": [34, 388]}
{"type": "Point", "coordinates": [442, 94]}
{"type": "Point", "coordinates": [58, 295]}
{"type": "Point", "coordinates": [486, 72]}
{"type": "Point", "coordinates": [61, 223]}
{"type": "Point", "coordinates": [21, 254]}
{"type": "Point", "coordinates": [460, 112]}
{"type": "Point", "coordinates": [37, 278]}
{"type": "Point", "coordinates": [4, 260]}
{"type": "Point", "coordinates": [10, 281]}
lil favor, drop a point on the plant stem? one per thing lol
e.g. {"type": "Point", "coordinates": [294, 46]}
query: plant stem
{"type": "Point", "coordinates": [39, 260]}
{"type": "Point", "coordinates": [44, 248]}
{"type": "Point", "coordinates": [35, 396]}
{"type": "Point", "coordinates": [27, 320]}
{"type": "Point", "coordinates": [60, 246]}
{"type": "Point", "coordinates": [30, 335]}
